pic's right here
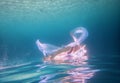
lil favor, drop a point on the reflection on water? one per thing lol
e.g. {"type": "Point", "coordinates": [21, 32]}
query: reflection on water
{"type": "Point", "coordinates": [46, 73]}
{"type": "Point", "coordinates": [76, 75]}
{"type": "Point", "coordinates": [79, 73]}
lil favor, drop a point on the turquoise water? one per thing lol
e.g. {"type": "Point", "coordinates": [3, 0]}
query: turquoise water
{"type": "Point", "coordinates": [23, 22]}
{"type": "Point", "coordinates": [34, 73]}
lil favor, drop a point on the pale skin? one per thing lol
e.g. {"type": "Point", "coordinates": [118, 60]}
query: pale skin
{"type": "Point", "coordinates": [68, 54]}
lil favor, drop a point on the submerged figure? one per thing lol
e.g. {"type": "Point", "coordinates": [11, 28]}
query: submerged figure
{"type": "Point", "coordinates": [73, 53]}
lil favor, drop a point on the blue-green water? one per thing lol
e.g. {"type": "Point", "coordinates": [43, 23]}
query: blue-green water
{"type": "Point", "coordinates": [23, 22]}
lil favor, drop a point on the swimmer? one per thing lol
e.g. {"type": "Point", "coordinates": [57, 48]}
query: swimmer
{"type": "Point", "coordinates": [73, 52]}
